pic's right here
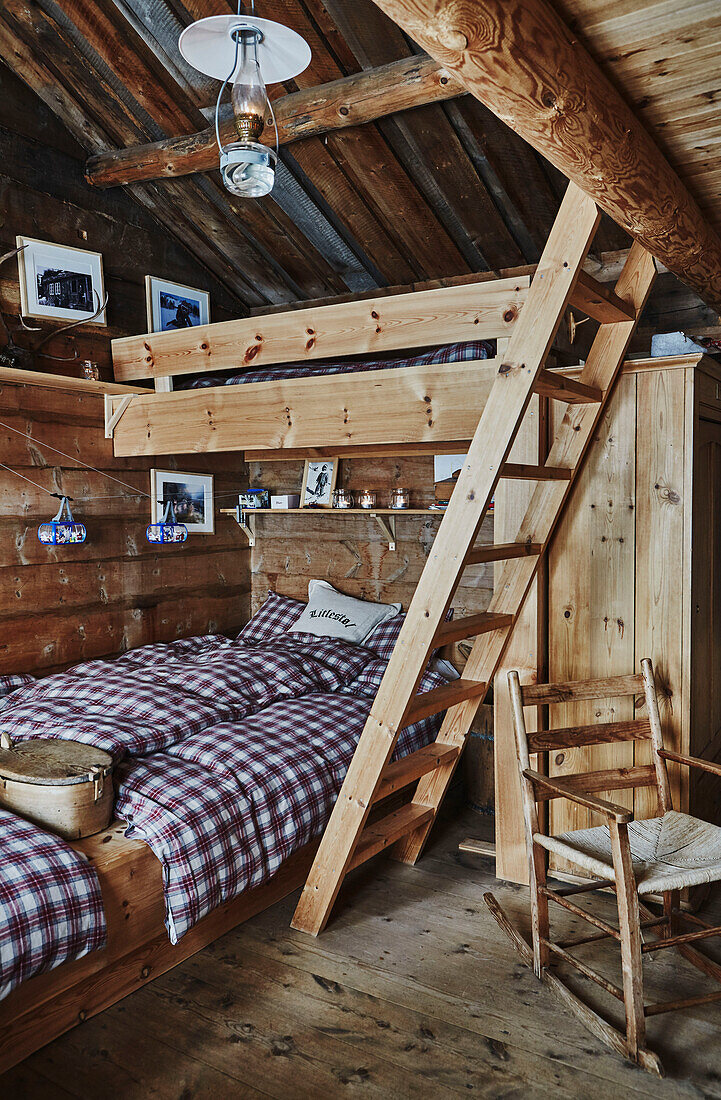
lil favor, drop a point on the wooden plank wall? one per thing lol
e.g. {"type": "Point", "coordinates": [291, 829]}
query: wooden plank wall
{"type": "Point", "coordinates": [68, 603]}
{"type": "Point", "coordinates": [61, 605]}
{"type": "Point", "coordinates": [349, 551]}
{"type": "Point", "coordinates": [627, 525]}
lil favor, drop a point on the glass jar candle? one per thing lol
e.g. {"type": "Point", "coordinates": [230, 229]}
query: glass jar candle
{"type": "Point", "coordinates": [367, 498]}
{"type": "Point", "coordinates": [342, 498]}
{"type": "Point", "coordinates": [400, 498]}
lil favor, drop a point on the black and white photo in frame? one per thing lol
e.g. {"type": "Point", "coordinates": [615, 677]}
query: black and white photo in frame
{"type": "Point", "coordinates": [191, 495]}
{"type": "Point", "coordinates": [59, 282]}
{"type": "Point", "coordinates": [319, 480]}
{"type": "Point", "coordinates": [172, 305]}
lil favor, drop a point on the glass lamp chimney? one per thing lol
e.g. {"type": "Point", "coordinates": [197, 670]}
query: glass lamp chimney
{"type": "Point", "coordinates": [248, 96]}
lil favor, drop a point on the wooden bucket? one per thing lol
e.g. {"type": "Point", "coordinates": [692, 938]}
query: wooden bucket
{"type": "Point", "coordinates": [64, 786]}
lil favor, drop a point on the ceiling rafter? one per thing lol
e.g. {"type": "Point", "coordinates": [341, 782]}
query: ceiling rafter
{"type": "Point", "coordinates": [349, 101]}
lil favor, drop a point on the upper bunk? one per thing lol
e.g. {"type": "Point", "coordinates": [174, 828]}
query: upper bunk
{"type": "Point", "coordinates": [433, 407]}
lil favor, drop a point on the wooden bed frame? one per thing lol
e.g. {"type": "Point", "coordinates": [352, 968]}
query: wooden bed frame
{"type": "Point", "coordinates": [138, 948]}
{"type": "Point", "coordinates": [416, 410]}
{"type": "Point", "coordinates": [436, 407]}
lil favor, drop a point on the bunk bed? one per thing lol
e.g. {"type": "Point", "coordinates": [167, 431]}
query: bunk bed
{"type": "Point", "coordinates": [427, 408]}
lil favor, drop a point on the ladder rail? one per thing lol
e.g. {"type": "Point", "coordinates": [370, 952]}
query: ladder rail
{"type": "Point", "coordinates": [566, 249]}
{"type": "Point", "coordinates": [568, 447]}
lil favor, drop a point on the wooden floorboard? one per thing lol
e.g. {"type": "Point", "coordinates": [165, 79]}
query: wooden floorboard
{"type": "Point", "coordinates": [412, 991]}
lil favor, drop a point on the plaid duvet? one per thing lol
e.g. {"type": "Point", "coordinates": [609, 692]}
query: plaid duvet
{"type": "Point", "coordinates": [449, 353]}
{"type": "Point", "coordinates": [231, 756]}
{"type": "Point", "coordinates": [51, 909]}
{"type": "Point", "coordinates": [222, 810]}
{"type": "Point", "coordinates": [153, 697]}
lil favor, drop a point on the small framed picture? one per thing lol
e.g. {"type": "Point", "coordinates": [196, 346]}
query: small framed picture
{"type": "Point", "coordinates": [254, 498]}
{"type": "Point", "coordinates": [172, 305]}
{"type": "Point", "coordinates": [58, 282]}
{"type": "Point", "coordinates": [319, 480]}
{"type": "Point", "coordinates": [192, 497]}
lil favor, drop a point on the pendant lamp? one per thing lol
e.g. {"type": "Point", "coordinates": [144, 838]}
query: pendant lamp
{"type": "Point", "coordinates": [247, 52]}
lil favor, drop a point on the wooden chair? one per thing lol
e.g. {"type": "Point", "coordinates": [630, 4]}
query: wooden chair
{"type": "Point", "coordinates": [660, 856]}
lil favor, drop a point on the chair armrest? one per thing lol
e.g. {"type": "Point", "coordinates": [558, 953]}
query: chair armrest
{"type": "Point", "coordinates": [691, 761]}
{"type": "Point", "coordinates": [558, 786]}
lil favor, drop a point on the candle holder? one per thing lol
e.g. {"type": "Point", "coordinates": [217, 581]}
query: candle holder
{"type": "Point", "coordinates": [367, 498]}
{"type": "Point", "coordinates": [342, 498]}
{"type": "Point", "coordinates": [400, 498]}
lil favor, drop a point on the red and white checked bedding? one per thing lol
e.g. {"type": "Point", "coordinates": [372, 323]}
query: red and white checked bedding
{"type": "Point", "coordinates": [450, 353]}
{"type": "Point", "coordinates": [231, 757]}
{"type": "Point", "coordinates": [223, 809]}
{"type": "Point", "coordinates": [51, 909]}
{"type": "Point", "coordinates": [153, 697]}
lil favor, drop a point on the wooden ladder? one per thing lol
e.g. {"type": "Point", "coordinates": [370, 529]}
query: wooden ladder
{"type": "Point", "coordinates": [348, 841]}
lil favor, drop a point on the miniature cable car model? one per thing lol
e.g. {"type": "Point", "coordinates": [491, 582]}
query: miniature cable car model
{"type": "Point", "coordinates": [168, 530]}
{"type": "Point", "coordinates": [62, 528]}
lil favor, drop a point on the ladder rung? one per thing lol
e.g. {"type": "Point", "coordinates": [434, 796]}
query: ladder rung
{"type": "Point", "coordinates": [599, 301]}
{"type": "Point", "coordinates": [381, 834]}
{"type": "Point", "coordinates": [525, 472]}
{"type": "Point", "coordinates": [551, 384]}
{"type": "Point", "coordinates": [458, 629]}
{"type": "Point", "coordinates": [503, 551]}
{"type": "Point", "coordinates": [440, 698]}
{"type": "Point", "coordinates": [402, 772]}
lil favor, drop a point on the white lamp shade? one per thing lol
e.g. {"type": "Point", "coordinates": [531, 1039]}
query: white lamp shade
{"type": "Point", "coordinates": [208, 46]}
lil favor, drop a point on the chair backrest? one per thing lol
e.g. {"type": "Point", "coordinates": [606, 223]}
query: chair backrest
{"type": "Point", "coordinates": [647, 729]}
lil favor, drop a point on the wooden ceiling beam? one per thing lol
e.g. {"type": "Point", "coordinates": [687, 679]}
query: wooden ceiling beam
{"type": "Point", "coordinates": [521, 60]}
{"type": "Point", "coordinates": [350, 101]}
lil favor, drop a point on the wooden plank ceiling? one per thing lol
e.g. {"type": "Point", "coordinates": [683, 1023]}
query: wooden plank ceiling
{"type": "Point", "coordinates": [439, 191]}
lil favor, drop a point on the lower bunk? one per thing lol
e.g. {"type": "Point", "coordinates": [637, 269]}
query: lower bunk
{"type": "Point", "coordinates": [230, 754]}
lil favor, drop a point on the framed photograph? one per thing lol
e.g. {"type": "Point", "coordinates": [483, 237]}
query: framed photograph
{"type": "Point", "coordinates": [58, 282]}
{"type": "Point", "coordinates": [172, 305]}
{"type": "Point", "coordinates": [254, 498]}
{"type": "Point", "coordinates": [192, 497]}
{"type": "Point", "coordinates": [319, 480]}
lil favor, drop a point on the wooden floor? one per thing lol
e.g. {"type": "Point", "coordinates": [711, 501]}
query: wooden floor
{"type": "Point", "coordinates": [411, 992]}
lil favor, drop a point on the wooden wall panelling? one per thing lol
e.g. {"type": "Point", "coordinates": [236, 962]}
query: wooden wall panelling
{"type": "Point", "coordinates": [525, 652]}
{"type": "Point", "coordinates": [370, 163]}
{"type": "Point", "coordinates": [663, 510]}
{"type": "Point", "coordinates": [592, 593]}
{"type": "Point", "coordinates": [69, 603]}
{"type": "Point", "coordinates": [348, 551]}
{"type": "Point", "coordinates": [430, 148]}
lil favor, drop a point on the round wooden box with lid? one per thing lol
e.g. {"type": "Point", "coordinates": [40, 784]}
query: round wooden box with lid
{"type": "Point", "coordinates": [64, 786]}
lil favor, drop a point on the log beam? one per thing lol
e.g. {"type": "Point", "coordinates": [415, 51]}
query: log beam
{"type": "Point", "coordinates": [521, 60]}
{"type": "Point", "coordinates": [350, 101]}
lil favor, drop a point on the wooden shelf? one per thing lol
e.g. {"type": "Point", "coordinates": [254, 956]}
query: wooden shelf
{"type": "Point", "coordinates": [245, 517]}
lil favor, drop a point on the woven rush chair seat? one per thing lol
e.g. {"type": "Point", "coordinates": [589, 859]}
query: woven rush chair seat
{"type": "Point", "coordinates": [660, 856]}
{"type": "Point", "coordinates": [667, 853]}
